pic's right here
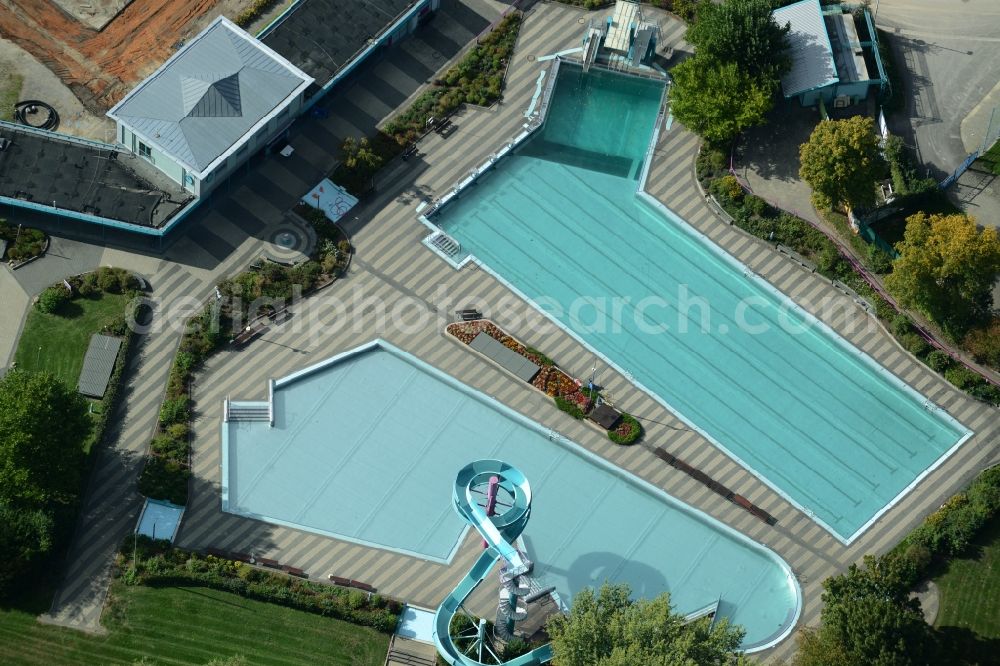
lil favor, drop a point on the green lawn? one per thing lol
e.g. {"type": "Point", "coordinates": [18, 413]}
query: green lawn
{"type": "Point", "coordinates": [58, 343]}
{"type": "Point", "coordinates": [191, 625]}
{"type": "Point", "coordinates": [10, 91]}
{"type": "Point", "coordinates": [970, 588]}
{"type": "Point", "coordinates": [992, 158]}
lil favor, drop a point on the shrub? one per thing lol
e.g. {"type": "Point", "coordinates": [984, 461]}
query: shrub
{"type": "Point", "coordinates": [629, 430]}
{"type": "Point", "coordinates": [915, 344]}
{"type": "Point", "coordinates": [984, 343]}
{"type": "Point", "coordinates": [901, 325]}
{"type": "Point", "coordinates": [949, 530]}
{"type": "Point", "coordinates": [253, 11]}
{"type": "Point", "coordinates": [539, 357]}
{"type": "Point", "coordinates": [158, 563]}
{"type": "Point", "coordinates": [569, 407]}
{"type": "Point", "coordinates": [963, 377]}
{"type": "Point", "coordinates": [939, 360]}
{"type": "Point", "coordinates": [114, 280]}
{"type": "Point", "coordinates": [728, 189]}
{"type": "Point", "coordinates": [174, 410]}
{"type": "Point", "coordinates": [710, 162]}
{"type": "Point", "coordinates": [878, 259]}
{"type": "Point", "coordinates": [53, 299]}
{"type": "Point", "coordinates": [164, 479]}
{"type": "Point", "coordinates": [754, 205]}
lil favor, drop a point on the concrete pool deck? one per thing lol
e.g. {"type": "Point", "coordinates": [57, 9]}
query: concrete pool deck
{"type": "Point", "coordinates": [392, 265]}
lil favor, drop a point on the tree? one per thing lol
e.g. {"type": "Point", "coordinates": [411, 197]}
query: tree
{"type": "Point", "coordinates": [43, 425]}
{"type": "Point", "coordinates": [841, 162]}
{"type": "Point", "coordinates": [745, 32]}
{"type": "Point", "coordinates": [868, 618]}
{"type": "Point", "coordinates": [26, 535]}
{"type": "Point", "coordinates": [607, 628]}
{"type": "Point", "coordinates": [717, 100]}
{"type": "Point", "coordinates": [946, 269]}
{"type": "Point", "coordinates": [358, 154]}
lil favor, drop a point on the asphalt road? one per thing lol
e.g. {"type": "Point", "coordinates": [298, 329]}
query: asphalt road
{"type": "Point", "coordinates": [951, 50]}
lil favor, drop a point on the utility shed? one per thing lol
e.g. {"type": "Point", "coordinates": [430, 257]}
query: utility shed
{"type": "Point", "coordinates": [98, 365]}
{"type": "Point", "coordinates": [832, 61]}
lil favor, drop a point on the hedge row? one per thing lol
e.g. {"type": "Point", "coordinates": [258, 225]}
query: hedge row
{"type": "Point", "coordinates": [948, 531]}
{"type": "Point", "coordinates": [157, 563]}
{"type": "Point", "coordinates": [756, 216]}
{"type": "Point", "coordinates": [167, 470]}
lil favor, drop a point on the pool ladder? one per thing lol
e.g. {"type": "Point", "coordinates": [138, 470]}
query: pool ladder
{"type": "Point", "coordinates": [446, 244]}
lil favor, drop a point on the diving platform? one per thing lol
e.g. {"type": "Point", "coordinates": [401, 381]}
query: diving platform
{"type": "Point", "coordinates": [624, 19]}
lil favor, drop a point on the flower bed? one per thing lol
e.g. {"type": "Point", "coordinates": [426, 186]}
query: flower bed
{"type": "Point", "coordinates": [569, 394]}
{"type": "Point", "coordinates": [628, 431]}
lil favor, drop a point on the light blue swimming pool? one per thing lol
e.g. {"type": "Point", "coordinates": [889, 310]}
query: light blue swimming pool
{"type": "Point", "coordinates": [560, 221]}
{"type": "Point", "coordinates": [365, 447]}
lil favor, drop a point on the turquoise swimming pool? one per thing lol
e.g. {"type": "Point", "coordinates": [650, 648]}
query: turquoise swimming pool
{"type": "Point", "coordinates": [365, 447]}
{"type": "Point", "coordinates": [559, 220]}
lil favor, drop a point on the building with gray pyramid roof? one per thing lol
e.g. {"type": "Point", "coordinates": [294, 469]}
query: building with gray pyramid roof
{"type": "Point", "coordinates": [220, 98]}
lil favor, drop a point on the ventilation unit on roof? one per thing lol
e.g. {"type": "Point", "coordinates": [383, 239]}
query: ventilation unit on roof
{"type": "Point", "coordinates": [842, 102]}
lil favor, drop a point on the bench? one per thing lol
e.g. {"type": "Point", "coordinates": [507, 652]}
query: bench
{"type": "Point", "coordinates": [362, 586]}
{"type": "Point", "coordinates": [337, 580]}
{"type": "Point", "coordinates": [294, 571]}
{"type": "Point", "coordinates": [268, 562]}
{"type": "Point", "coordinates": [470, 314]}
{"type": "Point", "coordinates": [215, 552]}
{"type": "Point", "coordinates": [240, 557]}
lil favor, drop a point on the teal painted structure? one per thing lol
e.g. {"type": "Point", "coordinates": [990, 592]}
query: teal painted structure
{"type": "Point", "coordinates": [499, 531]}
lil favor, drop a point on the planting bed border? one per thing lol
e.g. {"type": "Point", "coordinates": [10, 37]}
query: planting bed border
{"type": "Point", "coordinates": [570, 405]}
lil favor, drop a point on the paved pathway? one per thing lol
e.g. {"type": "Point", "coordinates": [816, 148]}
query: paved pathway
{"type": "Point", "coordinates": [393, 267]}
{"type": "Point", "coordinates": [230, 231]}
{"type": "Point", "coordinates": [15, 303]}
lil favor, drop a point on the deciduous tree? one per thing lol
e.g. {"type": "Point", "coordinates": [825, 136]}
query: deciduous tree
{"type": "Point", "coordinates": [841, 162]}
{"type": "Point", "coordinates": [868, 618]}
{"type": "Point", "coordinates": [608, 628]}
{"type": "Point", "coordinates": [43, 425]}
{"type": "Point", "coordinates": [946, 269]}
{"type": "Point", "coordinates": [745, 32]}
{"type": "Point", "coordinates": [717, 100]}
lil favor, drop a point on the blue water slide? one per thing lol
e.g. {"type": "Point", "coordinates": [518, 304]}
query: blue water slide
{"type": "Point", "coordinates": [499, 530]}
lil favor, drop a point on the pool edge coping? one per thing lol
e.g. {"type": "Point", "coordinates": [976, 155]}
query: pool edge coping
{"type": "Point", "coordinates": [425, 212]}
{"type": "Point", "coordinates": [379, 344]}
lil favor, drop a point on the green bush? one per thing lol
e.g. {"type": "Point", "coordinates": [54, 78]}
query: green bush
{"type": "Point", "coordinates": [754, 205]}
{"type": "Point", "coordinates": [632, 428]}
{"type": "Point", "coordinates": [476, 79]}
{"type": "Point", "coordinates": [915, 344]}
{"type": "Point", "coordinates": [174, 410]}
{"type": "Point", "coordinates": [253, 11]}
{"type": "Point", "coordinates": [949, 530]}
{"type": "Point", "coordinates": [23, 242]}
{"type": "Point", "coordinates": [901, 325]}
{"type": "Point", "coordinates": [984, 344]}
{"type": "Point", "coordinates": [165, 479]}
{"type": "Point", "coordinates": [728, 189]}
{"type": "Point", "coordinates": [879, 260]}
{"type": "Point", "coordinates": [53, 299]}
{"type": "Point", "coordinates": [939, 361]}
{"type": "Point", "coordinates": [539, 356]}
{"type": "Point", "coordinates": [114, 280]}
{"type": "Point", "coordinates": [710, 163]}
{"type": "Point", "coordinates": [569, 407]}
{"type": "Point", "coordinates": [963, 377]}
